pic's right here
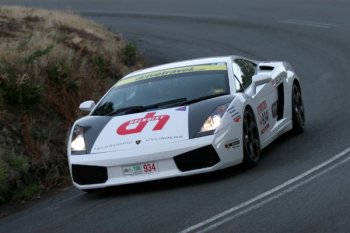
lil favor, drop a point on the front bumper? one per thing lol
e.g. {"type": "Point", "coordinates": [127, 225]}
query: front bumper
{"type": "Point", "coordinates": [174, 159]}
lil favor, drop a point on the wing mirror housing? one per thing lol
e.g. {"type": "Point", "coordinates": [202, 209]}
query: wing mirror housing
{"type": "Point", "coordinates": [259, 79]}
{"type": "Point", "coordinates": [87, 106]}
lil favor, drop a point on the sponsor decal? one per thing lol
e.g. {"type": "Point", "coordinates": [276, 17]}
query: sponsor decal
{"type": "Point", "coordinates": [137, 125]}
{"type": "Point", "coordinates": [263, 117]}
{"type": "Point", "coordinates": [112, 146]}
{"type": "Point", "coordinates": [235, 115]}
{"type": "Point", "coordinates": [163, 138]}
{"type": "Point", "coordinates": [179, 70]}
{"type": "Point", "coordinates": [138, 142]}
{"type": "Point", "coordinates": [237, 119]}
{"type": "Point", "coordinates": [230, 108]}
{"type": "Point", "coordinates": [183, 108]}
{"type": "Point", "coordinates": [279, 79]}
{"type": "Point", "coordinates": [218, 91]}
{"type": "Point", "coordinates": [233, 143]}
{"type": "Point", "coordinates": [233, 111]}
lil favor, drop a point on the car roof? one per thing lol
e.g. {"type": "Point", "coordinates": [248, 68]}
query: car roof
{"type": "Point", "coordinates": [198, 61]}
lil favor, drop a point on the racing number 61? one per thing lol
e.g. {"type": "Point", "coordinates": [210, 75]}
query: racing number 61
{"type": "Point", "coordinates": [149, 167]}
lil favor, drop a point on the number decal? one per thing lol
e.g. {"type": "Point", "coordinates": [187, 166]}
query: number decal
{"type": "Point", "coordinates": [149, 167]}
{"type": "Point", "coordinates": [137, 125]}
{"type": "Point", "coordinates": [263, 117]}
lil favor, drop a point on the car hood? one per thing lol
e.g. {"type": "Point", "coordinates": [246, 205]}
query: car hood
{"type": "Point", "coordinates": [107, 134]}
{"type": "Point", "coordinates": [143, 129]}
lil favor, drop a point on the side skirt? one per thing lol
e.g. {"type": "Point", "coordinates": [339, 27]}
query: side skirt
{"type": "Point", "coordinates": [283, 126]}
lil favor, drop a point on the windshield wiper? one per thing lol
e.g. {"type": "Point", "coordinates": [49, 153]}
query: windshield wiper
{"type": "Point", "coordinates": [127, 110]}
{"type": "Point", "coordinates": [166, 103]}
{"type": "Point", "coordinates": [202, 98]}
{"type": "Point", "coordinates": [175, 102]}
{"type": "Point", "coordinates": [139, 108]}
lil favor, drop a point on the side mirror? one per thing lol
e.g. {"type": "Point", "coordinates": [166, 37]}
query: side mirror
{"type": "Point", "coordinates": [87, 106]}
{"type": "Point", "coordinates": [258, 80]}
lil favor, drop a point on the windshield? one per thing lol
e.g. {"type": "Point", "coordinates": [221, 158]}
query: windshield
{"type": "Point", "coordinates": [165, 88]}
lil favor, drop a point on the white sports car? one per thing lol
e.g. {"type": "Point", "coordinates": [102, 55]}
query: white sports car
{"type": "Point", "coordinates": [184, 118]}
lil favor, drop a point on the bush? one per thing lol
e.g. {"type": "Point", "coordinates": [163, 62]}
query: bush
{"type": "Point", "coordinates": [18, 163]}
{"type": "Point", "coordinates": [101, 66]}
{"type": "Point", "coordinates": [25, 94]}
{"type": "Point", "coordinates": [130, 54]}
{"type": "Point", "coordinates": [29, 192]}
{"type": "Point", "coordinates": [2, 174]}
{"type": "Point", "coordinates": [38, 53]}
{"type": "Point", "coordinates": [3, 183]}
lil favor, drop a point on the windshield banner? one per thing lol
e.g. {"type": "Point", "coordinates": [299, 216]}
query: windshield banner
{"type": "Point", "coordinates": [179, 70]}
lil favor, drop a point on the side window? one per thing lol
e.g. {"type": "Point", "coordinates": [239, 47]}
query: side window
{"type": "Point", "coordinates": [243, 71]}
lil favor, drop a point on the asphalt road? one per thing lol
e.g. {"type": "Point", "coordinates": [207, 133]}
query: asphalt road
{"type": "Point", "coordinates": [302, 182]}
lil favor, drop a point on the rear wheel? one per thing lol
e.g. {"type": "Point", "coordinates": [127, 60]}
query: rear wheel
{"type": "Point", "coordinates": [251, 142]}
{"type": "Point", "coordinates": [298, 113]}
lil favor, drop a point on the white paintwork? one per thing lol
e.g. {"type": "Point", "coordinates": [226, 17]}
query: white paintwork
{"type": "Point", "coordinates": [258, 80]}
{"type": "Point", "coordinates": [264, 94]}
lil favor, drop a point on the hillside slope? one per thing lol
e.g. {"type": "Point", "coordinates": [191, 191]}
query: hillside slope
{"type": "Point", "coordinates": [49, 63]}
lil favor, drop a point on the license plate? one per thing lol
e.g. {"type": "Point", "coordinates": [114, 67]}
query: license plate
{"type": "Point", "coordinates": [140, 169]}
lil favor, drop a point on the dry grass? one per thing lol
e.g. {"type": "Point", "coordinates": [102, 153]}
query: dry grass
{"type": "Point", "coordinates": [49, 63]}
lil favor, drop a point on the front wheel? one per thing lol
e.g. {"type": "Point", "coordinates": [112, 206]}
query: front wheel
{"type": "Point", "coordinates": [251, 141]}
{"type": "Point", "coordinates": [298, 113]}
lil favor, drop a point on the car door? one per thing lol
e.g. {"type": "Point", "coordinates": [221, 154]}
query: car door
{"type": "Point", "coordinates": [264, 102]}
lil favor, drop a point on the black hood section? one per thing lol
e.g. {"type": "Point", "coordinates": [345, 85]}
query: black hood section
{"type": "Point", "coordinates": [199, 112]}
{"type": "Point", "coordinates": [93, 125]}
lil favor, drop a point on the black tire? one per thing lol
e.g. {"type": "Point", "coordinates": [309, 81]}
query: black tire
{"type": "Point", "coordinates": [298, 112]}
{"type": "Point", "coordinates": [251, 141]}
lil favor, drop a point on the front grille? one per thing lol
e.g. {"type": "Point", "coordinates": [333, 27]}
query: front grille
{"type": "Point", "coordinates": [197, 159]}
{"type": "Point", "coordinates": [83, 174]}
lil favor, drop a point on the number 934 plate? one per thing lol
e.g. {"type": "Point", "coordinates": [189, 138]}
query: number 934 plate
{"type": "Point", "coordinates": [140, 169]}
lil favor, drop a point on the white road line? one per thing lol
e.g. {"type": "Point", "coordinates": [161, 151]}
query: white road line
{"type": "Point", "coordinates": [308, 23]}
{"type": "Point", "coordinates": [272, 194]}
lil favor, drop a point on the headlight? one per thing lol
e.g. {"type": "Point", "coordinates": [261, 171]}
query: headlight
{"type": "Point", "coordinates": [214, 120]}
{"type": "Point", "coordinates": [78, 142]}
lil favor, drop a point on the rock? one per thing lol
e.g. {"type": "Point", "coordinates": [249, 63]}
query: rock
{"type": "Point", "coordinates": [77, 40]}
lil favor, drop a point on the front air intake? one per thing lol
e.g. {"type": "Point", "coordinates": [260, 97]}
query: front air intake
{"type": "Point", "coordinates": [83, 174]}
{"type": "Point", "coordinates": [197, 159]}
